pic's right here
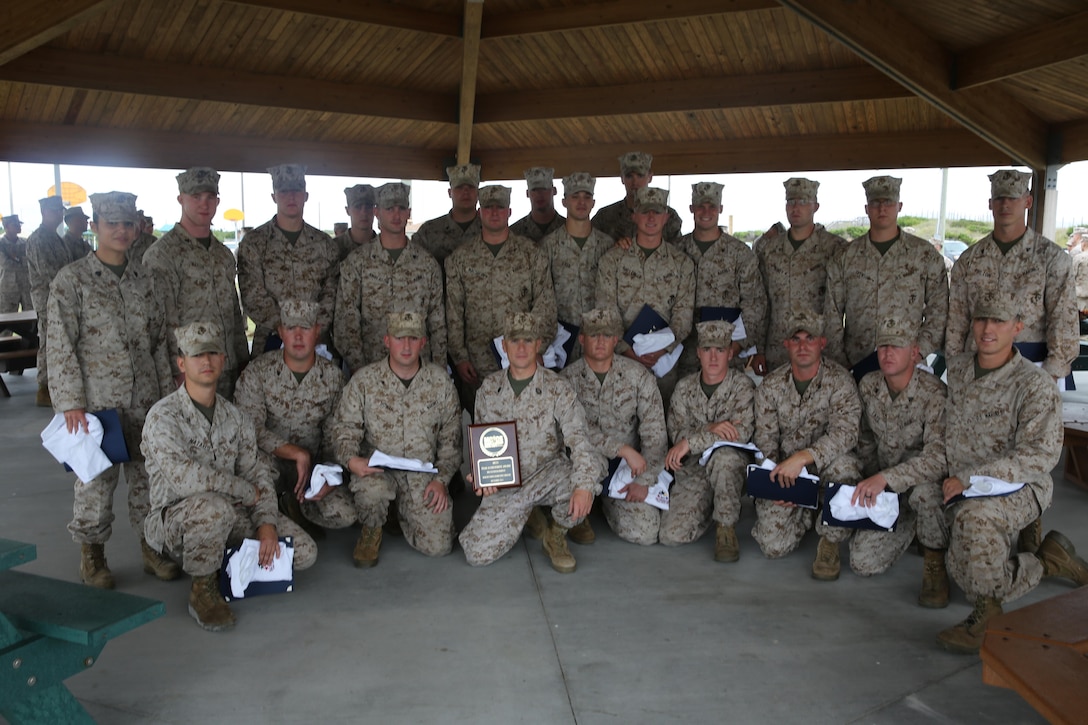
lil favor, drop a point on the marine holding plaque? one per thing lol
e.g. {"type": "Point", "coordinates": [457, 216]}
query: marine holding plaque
{"type": "Point", "coordinates": [534, 452]}
{"type": "Point", "coordinates": [494, 449]}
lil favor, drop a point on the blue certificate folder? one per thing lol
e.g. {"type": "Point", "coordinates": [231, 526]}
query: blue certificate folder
{"type": "Point", "coordinates": [648, 320]}
{"type": "Point", "coordinates": [113, 438]}
{"type": "Point", "coordinates": [829, 520]}
{"type": "Point", "coordinates": [805, 492]}
{"type": "Point", "coordinates": [256, 588]}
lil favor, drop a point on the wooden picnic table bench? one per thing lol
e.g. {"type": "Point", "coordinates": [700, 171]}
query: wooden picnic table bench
{"type": "Point", "coordinates": [50, 630]}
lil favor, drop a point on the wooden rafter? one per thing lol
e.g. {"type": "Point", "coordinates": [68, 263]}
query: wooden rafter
{"type": "Point", "coordinates": [899, 48]}
{"type": "Point", "coordinates": [1054, 42]}
{"type": "Point", "coordinates": [474, 10]}
{"type": "Point", "coordinates": [27, 24]}
{"type": "Point", "coordinates": [372, 12]}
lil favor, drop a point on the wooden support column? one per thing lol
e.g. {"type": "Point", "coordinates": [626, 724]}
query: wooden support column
{"type": "Point", "coordinates": [474, 12]}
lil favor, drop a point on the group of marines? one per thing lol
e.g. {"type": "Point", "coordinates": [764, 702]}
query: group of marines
{"type": "Point", "coordinates": [809, 348]}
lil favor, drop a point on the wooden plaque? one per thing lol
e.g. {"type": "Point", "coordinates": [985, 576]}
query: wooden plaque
{"type": "Point", "coordinates": [493, 448]}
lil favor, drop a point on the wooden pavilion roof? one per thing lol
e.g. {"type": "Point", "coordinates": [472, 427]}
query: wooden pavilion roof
{"type": "Point", "coordinates": [404, 88]}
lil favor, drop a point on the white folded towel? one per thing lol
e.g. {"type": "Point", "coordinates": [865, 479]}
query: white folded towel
{"type": "Point", "coordinates": [381, 460]}
{"type": "Point", "coordinates": [990, 486]}
{"type": "Point", "coordinates": [648, 342]}
{"type": "Point", "coordinates": [657, 496]}
{"type": "Point", "coordinates": [732, 444]}
{"type": "Point", "coordinates": [667, 362]}
{"type": "Point", "coordinates": [82, 450]}
{"type": "Point", "coordinates": [884, 511]}
{"type": "Point", "coordinates": [331, 474]}
{"type": "Point", "coordinates": [243, 567]}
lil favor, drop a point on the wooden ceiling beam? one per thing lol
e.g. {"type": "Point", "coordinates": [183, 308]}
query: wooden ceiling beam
{"type": "Point", "coordinates": [613, 12]}
{"type": "Point", "coordinates": [896, 46]}
{"type": "Point", "coordinates": [99, 72]}
{"type": "Point", "coordinates": [793, 154]}
{"type": "Point", "coordinates": [38, 143]}
{"type": "Point", "coordinates": [470, 60]}
{"type": "Point", "coordinates": [28, 24]}
{"type": "Point", "coordinates": [371, 12]}
{"type": "Point", "coordinates": [747, 91]}
{"type": "Point", "coordinates": [1055, 42]}
{"type": "Point", "coordinates": [1073, 138]}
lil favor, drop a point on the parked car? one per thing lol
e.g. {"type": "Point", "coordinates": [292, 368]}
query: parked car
{"type": "Point", "coordinates": [953, 248]}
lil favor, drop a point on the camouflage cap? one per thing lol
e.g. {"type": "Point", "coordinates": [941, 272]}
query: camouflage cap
{"type": "Point", "coordinates": [635, 162]}
{"type": "Point", "coordinates": [1080, 230]}
{"type": "Point", "coordinates": [798, 188]}
{"type": "Point", "coordinates": [198, 179]}
{"type": "Point", "coordinates": [115, 206]}
{"type": "Point", "coordinates": [715, 333]}
{"type": "Point", "coordinates": [73, 212]}
{"type": "Point", "coordinates": [464, 174]}
{"type": "Point", "coordinates": [288, 177]}
{"type": "Point", "coordinates": [897, 332]}
{"type": "Point", "coordinates": [51, 202]}
{"type": "Point", "coordinates": [521, 326]}
{"type": "Point", "coordinates": [406, 323]}
{"type": "Point", "coordinates": [394, 194]}
{"type": "Point", "coordinates": [197, 338]}
{"type": "Point", "coordinates": [994, 304]}
{"type": "Point", "coordinates": [579, 181]}
{"type": "Point", "coordinates": [12, 219]}
{"type": "Point", "coordinates": [805, 320]}
{"type": "Point", "coordinates": [1009, 183]}
{"type": "Point", "coordinates": [299, 313]}
{"type": "Point", "coordinates": [495, 195]}
{"type": "Point", "coordinates": [359, 194]}
{"type": "Point", "coordinates": [539, 177]}
{"type": "Point", "coordinates": [706, 192]}
{"type": "Point", "coordinates": [651, 198]}
{"type": "Point", "coordinates": [602, 321]}
{"type": "Point", "coordinates": [882, 187]}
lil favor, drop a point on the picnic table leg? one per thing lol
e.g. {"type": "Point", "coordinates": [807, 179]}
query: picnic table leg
{"type": "Point", "coordinates": [48, 706]}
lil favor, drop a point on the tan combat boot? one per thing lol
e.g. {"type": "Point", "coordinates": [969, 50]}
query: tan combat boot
{"type": "Point", "coordinates": [966, 637]}
{"type": "Point", "coordinates": [1031, 537]}
{"type": "Point", "coordinates": [366, 548]}
{"type": "Point", "coordinates": [726, 547]}
{"type": "Point", "coordinates": [582, 533]}
{"type": "Point", "coordinates": [1060, 559]}
{"type": "Point", "coordinates": [826, 566]}
{"type": "Point", "coordinates": [207, 606]}
{"type": "Point", "coordinates": [42, 400]}
{"type": "Point", "coordinates": [934, 594]}
{"type": "Point", "coordinates": [537, 523]}
{"type": "Point", "coordinates": [555, 546]}
{"type": "Point", "coordinates": [93, 569]}
{"type": "Point", "coordinates": [163, 567]}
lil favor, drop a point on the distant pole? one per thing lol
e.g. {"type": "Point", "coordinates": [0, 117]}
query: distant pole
{"type": "Point", "coordinates": [944, 204]}
{"type": "Point", "coordinates": [242, 181]}
{"type": "Point", "coordinates": [56, 181]}
{"type": "Point", "coordinates": [11, 192]}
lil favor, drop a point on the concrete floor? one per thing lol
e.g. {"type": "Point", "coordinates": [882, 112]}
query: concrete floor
{"type": "Point", "coordinates": [636, 635]}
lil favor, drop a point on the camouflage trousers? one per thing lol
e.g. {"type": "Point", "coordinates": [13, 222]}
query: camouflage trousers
{"type": "Point", "coordinates": [367, 499]}
{"type": "Point", "coordinates": [638, 523]}
{"type": "Point", "coordinates": [779, 529]}
{"type": "Point", "coordinates": [12, 295]}
{"type": "Point", "coordinates": [92, 512]}
{"type": "Point", "coordinates": [43, 371]}
{"type": "Point", "coordinates": [700, 493]}
{"type": "Point", "coordinates": [931, 526]}
{"type": "Point", "coordinates": [982, 533]}
{"type": "Point", "coordinates": [497, 523]}
{"type": "Point", "coordinates": [874, 552]}
{"type": "Point", "coordinates": [198, 529]}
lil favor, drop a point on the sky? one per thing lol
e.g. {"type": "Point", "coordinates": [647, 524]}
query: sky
{"type": "Point", "coordinates": [753, 201]}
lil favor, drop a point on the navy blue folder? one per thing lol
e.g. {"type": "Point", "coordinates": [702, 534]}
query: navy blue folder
{"type": "Point", "coordinates": [274, 342]}
{"type": "Point", "coordinates": [113, 438]}
{"type": "Point", "coordinates": [829, 520]}
{"type": "Point", "coordinates": [804, 492]}
{"type": "Point", "coordinates": [255, 588]}
{"type": "Point", "coordinates": [866, 365]}
{"type": "Point", "coordinates": [647, 321]}
{"type": "Point", "coordinates": [729, 314]}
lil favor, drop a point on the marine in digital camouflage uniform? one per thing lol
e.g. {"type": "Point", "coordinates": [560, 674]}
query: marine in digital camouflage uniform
{"type": "Point", "coordinates": [1004, 421]}
{"type": "Point", "coordinates": [885, 272]}
{"type": "Point", "coordinates": [1026, 266]}
{"type": "Point", "coordinates": [291, 395]}
{"type": "Point", "coordinates": [1080, 268]}
{"type": "Point", "coordinates": [550, 421]}
{"type": "Point", "coordinates": [649, 273]}
{"type": "Point", "coordinates": [360, 199]}
{"type": "Point", "coordinates": [402, 406]}
{"type": "Point", "coordinates": [573, 252]}
{"type": "Point", "coordinates": [145, 237]}
{"type": "Point", "coordinates": [14, 275]}
{"type": "Point", "coordinates": [793, 267]}
{"type": "Point", "coordinates": [286, 259]}
{"type": "Point", "coordinates": [209, 486]}
{"type": "Point", "coordinates": [901, 446]}
{"type": "Point", "coordinates": [46, 253]}
{"type": "Point", "coordinates": [616, 219]}
{"type": "Point", "coordinates": [394, 273]}
{"type": "Point", "coordinates": [195, 274]}
{"type": "Point", "coordinates": [625, 419]}
{"type": "Point", "coordinates": [807, 415]}
{"type": "Point", "coordinates": [108, 347]}
{"type": "Point", "coordinates": [542, 219]}
{"type": "Point", "coordinates": [708, 406]}
{"type": "Point", "coordinates": [726, 276]}
{"type": "Point", "coordinates": [442, 235]}
{"type": "Point", "coordinates": [488, 278]}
